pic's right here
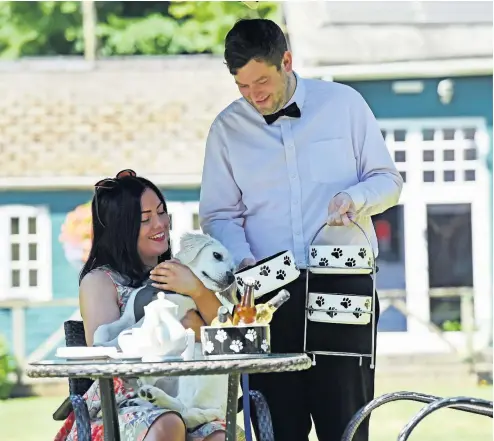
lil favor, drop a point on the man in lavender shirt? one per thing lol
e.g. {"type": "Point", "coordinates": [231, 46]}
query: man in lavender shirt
{"type": "Point", "coordinates": [288, 156]}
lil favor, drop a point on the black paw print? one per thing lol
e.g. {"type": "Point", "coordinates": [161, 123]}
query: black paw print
{"type": "Point", "coordinates": [313, 253]}
{"type": "Point", "coordinates": [332, 312]}
{"type": "Point", "coordinates": [240, 282]}
{"type": "Point", "coordinates": [362, 253]}
{"type": "Point", "coordinates": [320, 301]}
{"type": "Point", "coordinates": [264, 270]}
{"type": "Point", "coordinates": [257, 285]}
{"type": "Point", "coordinates": [350, 262]}
{"type": "Point", "coordinates": [280, 274]}
{"type": "Point", "coordinates": [357, 312]}
{"type": "Point", "coordinates": [287, 261]}
{"type": "Point", "coordinates": [337, 253]}
{"type": "Point", "coordinates": [346, 302]}
{"type": "Point", "coordinates": [323, 262]}
{"type": "Point", "coordinates": [310, 310]}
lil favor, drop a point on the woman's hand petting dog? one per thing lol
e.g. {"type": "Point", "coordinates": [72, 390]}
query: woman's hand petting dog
{"type": "Point", "coordinates": [174, 276]}
{"type": "Point", "coordinates": [194, 321]}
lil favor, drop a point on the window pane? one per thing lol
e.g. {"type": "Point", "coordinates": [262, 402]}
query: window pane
{"type": "Point", "coordinates": [14, 225]}
{"type": "Point", "coordinates": [448, 134]}
{"type": "Point", "coordinates": [448, 155]}
{"type": "Point", "coordinates": [449, 175]}
{"type": "Point", "coordinates": [469, 175]}
{"type": "Point", "coordinates": [470, 154]}
{"type": "Point", "coordinates": [33, 251]}
{"type": "Point", "coordinates": [400, 156]}
{"type": "Point", "coordinates": [428, 134]}
{"type": "Point", "coordinates": [428, 155]}
{"type": "Point", "coordinates": [15, 252]}
{"type": "Point", "coordinates": [15, 278]}
{"type": "Point", "coordinates": [428, 176]}
{"type": "Point", "coordinates": [469, 134]}
{"type": "Point", "coordinates": [195, 222]}
{"type": "Point", "coordinates": [31, 225]}
{"type": "Point", "coordinates": [400, 135]}
{"type": "Point", "coordinates": [33, 277]}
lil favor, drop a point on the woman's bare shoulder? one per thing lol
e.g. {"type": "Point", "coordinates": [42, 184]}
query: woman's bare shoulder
{"type": "Point", "coordinates": [97, 281]}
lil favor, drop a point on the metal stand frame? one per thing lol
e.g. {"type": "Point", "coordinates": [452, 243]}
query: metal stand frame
{"type": "Point", "coordinates": [343, 311]}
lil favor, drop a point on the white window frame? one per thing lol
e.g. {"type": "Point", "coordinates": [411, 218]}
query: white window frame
{"type": "Point", "coordinates": [43, 264]}
{"type": "Point", "coordinates": [415, 197]}
{"type": "Point", "coordinates": [182, 220]}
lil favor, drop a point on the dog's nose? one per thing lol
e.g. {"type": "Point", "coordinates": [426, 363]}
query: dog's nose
{"type": "Point", "coordinates": [230, 278]}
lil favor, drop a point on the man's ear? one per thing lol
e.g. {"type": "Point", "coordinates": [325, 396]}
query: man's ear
{"type": "Point", "coordinates": [190, 246]}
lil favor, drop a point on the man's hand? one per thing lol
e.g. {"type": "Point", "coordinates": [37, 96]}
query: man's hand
{"type": "Point", "coordinates": [248, 261]}
{"type": "Point", "coordinates": [341, 209]}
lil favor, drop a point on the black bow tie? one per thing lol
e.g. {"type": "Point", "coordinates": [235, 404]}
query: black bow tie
{"type": "Point", "coordinates": [292, 110]}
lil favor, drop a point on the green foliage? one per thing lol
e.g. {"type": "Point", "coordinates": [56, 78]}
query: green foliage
{"type": "Point", "coordinates": [123, 27]}
{"type": "Point", "coordinates": [8, 370]}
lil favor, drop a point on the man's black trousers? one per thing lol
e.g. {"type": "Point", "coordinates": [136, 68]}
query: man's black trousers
{"type": "Point", "coordinates": [333, 390]}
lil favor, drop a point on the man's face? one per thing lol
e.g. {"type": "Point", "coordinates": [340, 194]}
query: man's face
{"type": "Point", "coordinates": [265, 86]}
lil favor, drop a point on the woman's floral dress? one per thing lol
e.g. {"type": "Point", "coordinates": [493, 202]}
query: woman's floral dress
{"type": "Point", "coordinates": [135, 414]}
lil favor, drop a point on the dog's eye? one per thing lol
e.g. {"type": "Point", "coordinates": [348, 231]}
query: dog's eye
{"type": "Point", "coordinates": [217, 256]}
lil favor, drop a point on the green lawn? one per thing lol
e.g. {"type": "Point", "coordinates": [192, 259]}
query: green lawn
{"type": "Point", "coordinates": [29, 419]}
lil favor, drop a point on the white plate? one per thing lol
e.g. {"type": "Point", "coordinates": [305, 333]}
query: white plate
{"type": "Point", "coordinates": [85, 352]}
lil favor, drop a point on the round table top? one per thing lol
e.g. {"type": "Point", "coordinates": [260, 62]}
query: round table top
{"type": "Point", "coordinates": [108, 368]}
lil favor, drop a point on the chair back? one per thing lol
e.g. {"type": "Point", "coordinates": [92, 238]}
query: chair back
{"type": "Point", "coordinates": [75, 336]}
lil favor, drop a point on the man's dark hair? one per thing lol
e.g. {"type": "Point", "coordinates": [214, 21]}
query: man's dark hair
{"type": "Point", "coordinates": [254, 39]}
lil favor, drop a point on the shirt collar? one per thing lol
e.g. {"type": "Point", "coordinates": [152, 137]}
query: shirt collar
{"type": "Point", "coordinates": [298, 97]}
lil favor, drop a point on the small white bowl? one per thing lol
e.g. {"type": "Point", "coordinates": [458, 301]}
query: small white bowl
{"type": "Point", "coordinates": [340, 259]}
{"type": "Point", "coordinates": [270, 274]}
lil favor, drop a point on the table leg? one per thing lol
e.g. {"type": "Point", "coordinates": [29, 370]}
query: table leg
{"type": "Point", "coordinates": [231, 407]}
{"type": "Point", "coordinates": [109, 410]}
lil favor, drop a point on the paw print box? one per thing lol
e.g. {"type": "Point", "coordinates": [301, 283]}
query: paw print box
{"type": "Point", "coordinates": [340, 259]}
{"type": "Point", "coordinates": [235, 340]}
{"type": "Point", "coordinates": [270, 274]}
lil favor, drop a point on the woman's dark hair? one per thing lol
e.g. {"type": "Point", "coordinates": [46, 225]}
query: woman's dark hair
{"type": "Point", "coordinates": [254, 39]}
{"type": "Point", "coordinates": [116, 218]}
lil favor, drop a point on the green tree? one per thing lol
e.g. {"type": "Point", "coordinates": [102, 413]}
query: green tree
{"type": "Point", "coordinates": [123, 27]}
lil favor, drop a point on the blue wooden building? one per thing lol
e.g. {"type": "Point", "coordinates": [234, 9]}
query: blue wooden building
{"type": "Point", "coordinates": [425, 68]}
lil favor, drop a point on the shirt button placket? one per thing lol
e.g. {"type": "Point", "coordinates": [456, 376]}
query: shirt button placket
{"type": "Point", "coordinates": [295, 192]}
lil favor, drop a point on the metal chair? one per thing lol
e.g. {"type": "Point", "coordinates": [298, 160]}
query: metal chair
{"type": "Point", "coordinates": [75, 336]}
{"type": "Point", "coordinates": [464, 404]}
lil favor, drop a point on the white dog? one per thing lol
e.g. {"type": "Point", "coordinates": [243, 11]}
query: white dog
{"type": "Point", "coordinates": [199, 399]}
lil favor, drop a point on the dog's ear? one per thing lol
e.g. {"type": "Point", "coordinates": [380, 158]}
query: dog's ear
{"type": "Point", "coordinates": [190, 246]}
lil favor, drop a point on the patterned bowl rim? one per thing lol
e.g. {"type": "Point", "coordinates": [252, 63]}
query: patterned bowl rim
{"type": "Point", "coordinates": [266, 260]}
{"type": "Point", "coordinates": [236, 327]}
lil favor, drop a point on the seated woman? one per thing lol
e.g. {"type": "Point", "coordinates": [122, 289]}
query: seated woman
{"type": "Point", "coordinates": [131, 231]}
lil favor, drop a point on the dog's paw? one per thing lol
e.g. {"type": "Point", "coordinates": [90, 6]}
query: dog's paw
{"type": "Point", "coordinates": [287, 261]}
{"type": "Point", "coordinates": [148, 393]}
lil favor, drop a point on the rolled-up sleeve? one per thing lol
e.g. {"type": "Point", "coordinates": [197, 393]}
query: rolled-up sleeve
{"type": "Point", "coordinates": [380, 183]}
{"type": "Point", "coordinates": [221, 208]}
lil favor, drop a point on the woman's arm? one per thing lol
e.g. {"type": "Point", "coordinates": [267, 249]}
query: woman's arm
{"type": "Point", "coordinates": [97, 302]}
{"type": "Point", "coordinates": [174, 276]}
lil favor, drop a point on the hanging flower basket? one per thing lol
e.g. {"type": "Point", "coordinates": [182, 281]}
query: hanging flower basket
{"type": "Point", "coordinates": [76, 235]}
